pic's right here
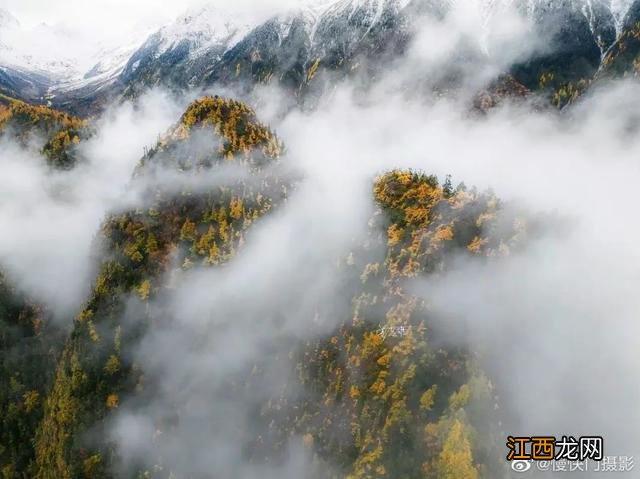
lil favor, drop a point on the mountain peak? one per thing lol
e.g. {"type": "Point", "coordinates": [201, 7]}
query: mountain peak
{"type": "Point", "coordinates": [205, 26]}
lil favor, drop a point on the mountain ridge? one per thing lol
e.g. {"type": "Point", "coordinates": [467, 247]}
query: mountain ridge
{"type": "Point", "coordinates": [211, 46]}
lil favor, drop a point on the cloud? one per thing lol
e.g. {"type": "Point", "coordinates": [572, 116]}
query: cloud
{"type": "Point", "coordinates": [49, 218]}
{"type": "Point", "coordinates": [554, 323]}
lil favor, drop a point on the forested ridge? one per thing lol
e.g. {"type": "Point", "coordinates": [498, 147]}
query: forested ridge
{"type": "Point", "coordinates": [264, 244]}
{"type": "Point", "coordinates": [55, 133]}
{"type": "Point", "coordinates": [381, 396]}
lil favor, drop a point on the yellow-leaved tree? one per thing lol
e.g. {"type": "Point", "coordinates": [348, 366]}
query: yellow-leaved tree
{"type": "Point", "coordinates": [456, 460]}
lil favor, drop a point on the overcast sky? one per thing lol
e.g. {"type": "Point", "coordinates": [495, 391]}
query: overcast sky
{"type": "Point", "coordinates": [115, 15]}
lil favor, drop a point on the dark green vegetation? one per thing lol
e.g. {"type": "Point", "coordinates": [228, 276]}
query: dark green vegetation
{"type": "Point", "coordinates": [577, 60]}
{"type": "Point", "coordinates": [623, 59]}
{"type": "Point", "coordinates": [30, 344]}
{"type": "Point", "coordinates": [30, 341]}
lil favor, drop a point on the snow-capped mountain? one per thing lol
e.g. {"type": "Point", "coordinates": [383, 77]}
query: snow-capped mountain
{"type": "Point", "coordinates": [209, 46]}
{"type": "Point", "coordinates": [32, 71]}
{"type": "Point", "coordinates": [30, 50]}
{"type": "Point", "coordinates": [206, 33]}
{"type": "Point", "coordinates": [204, 28]}
{"type": "Point", "coordinates": [321, 41]}
{"type": "Point", "coordinates": [203, 48]}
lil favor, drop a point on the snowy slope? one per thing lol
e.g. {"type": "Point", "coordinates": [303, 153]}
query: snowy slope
{"type": "Point", "coordinates": [65, 58]}
{"type": "Point", "coordinates": [30, 50]}
{"type": "Point", "coordinates": [205, 28]}
{"type": "Point", "coordinates": [214, 44]}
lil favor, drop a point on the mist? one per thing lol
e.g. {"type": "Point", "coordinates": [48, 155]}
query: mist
{"type": "Point", "coordinates": [49, 219]}
{"type": "Point", "coordinates": [553, 322]}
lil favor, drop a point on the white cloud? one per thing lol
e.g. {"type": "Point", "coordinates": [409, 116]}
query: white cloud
{"type": "Point", "coordinates": [556, 323]}
{"type": "Point", "coordinates": [49, 219]}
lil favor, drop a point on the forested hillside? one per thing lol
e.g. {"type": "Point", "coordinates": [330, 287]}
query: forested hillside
{"type": "Point", "coordinates": [325, 239]}
{"type": "Point", "coordinates": [30, 344]}
{"type": "Point", "coordinates": [54, 133]}
{"type": "Point", "coordinates": [381, 395]}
